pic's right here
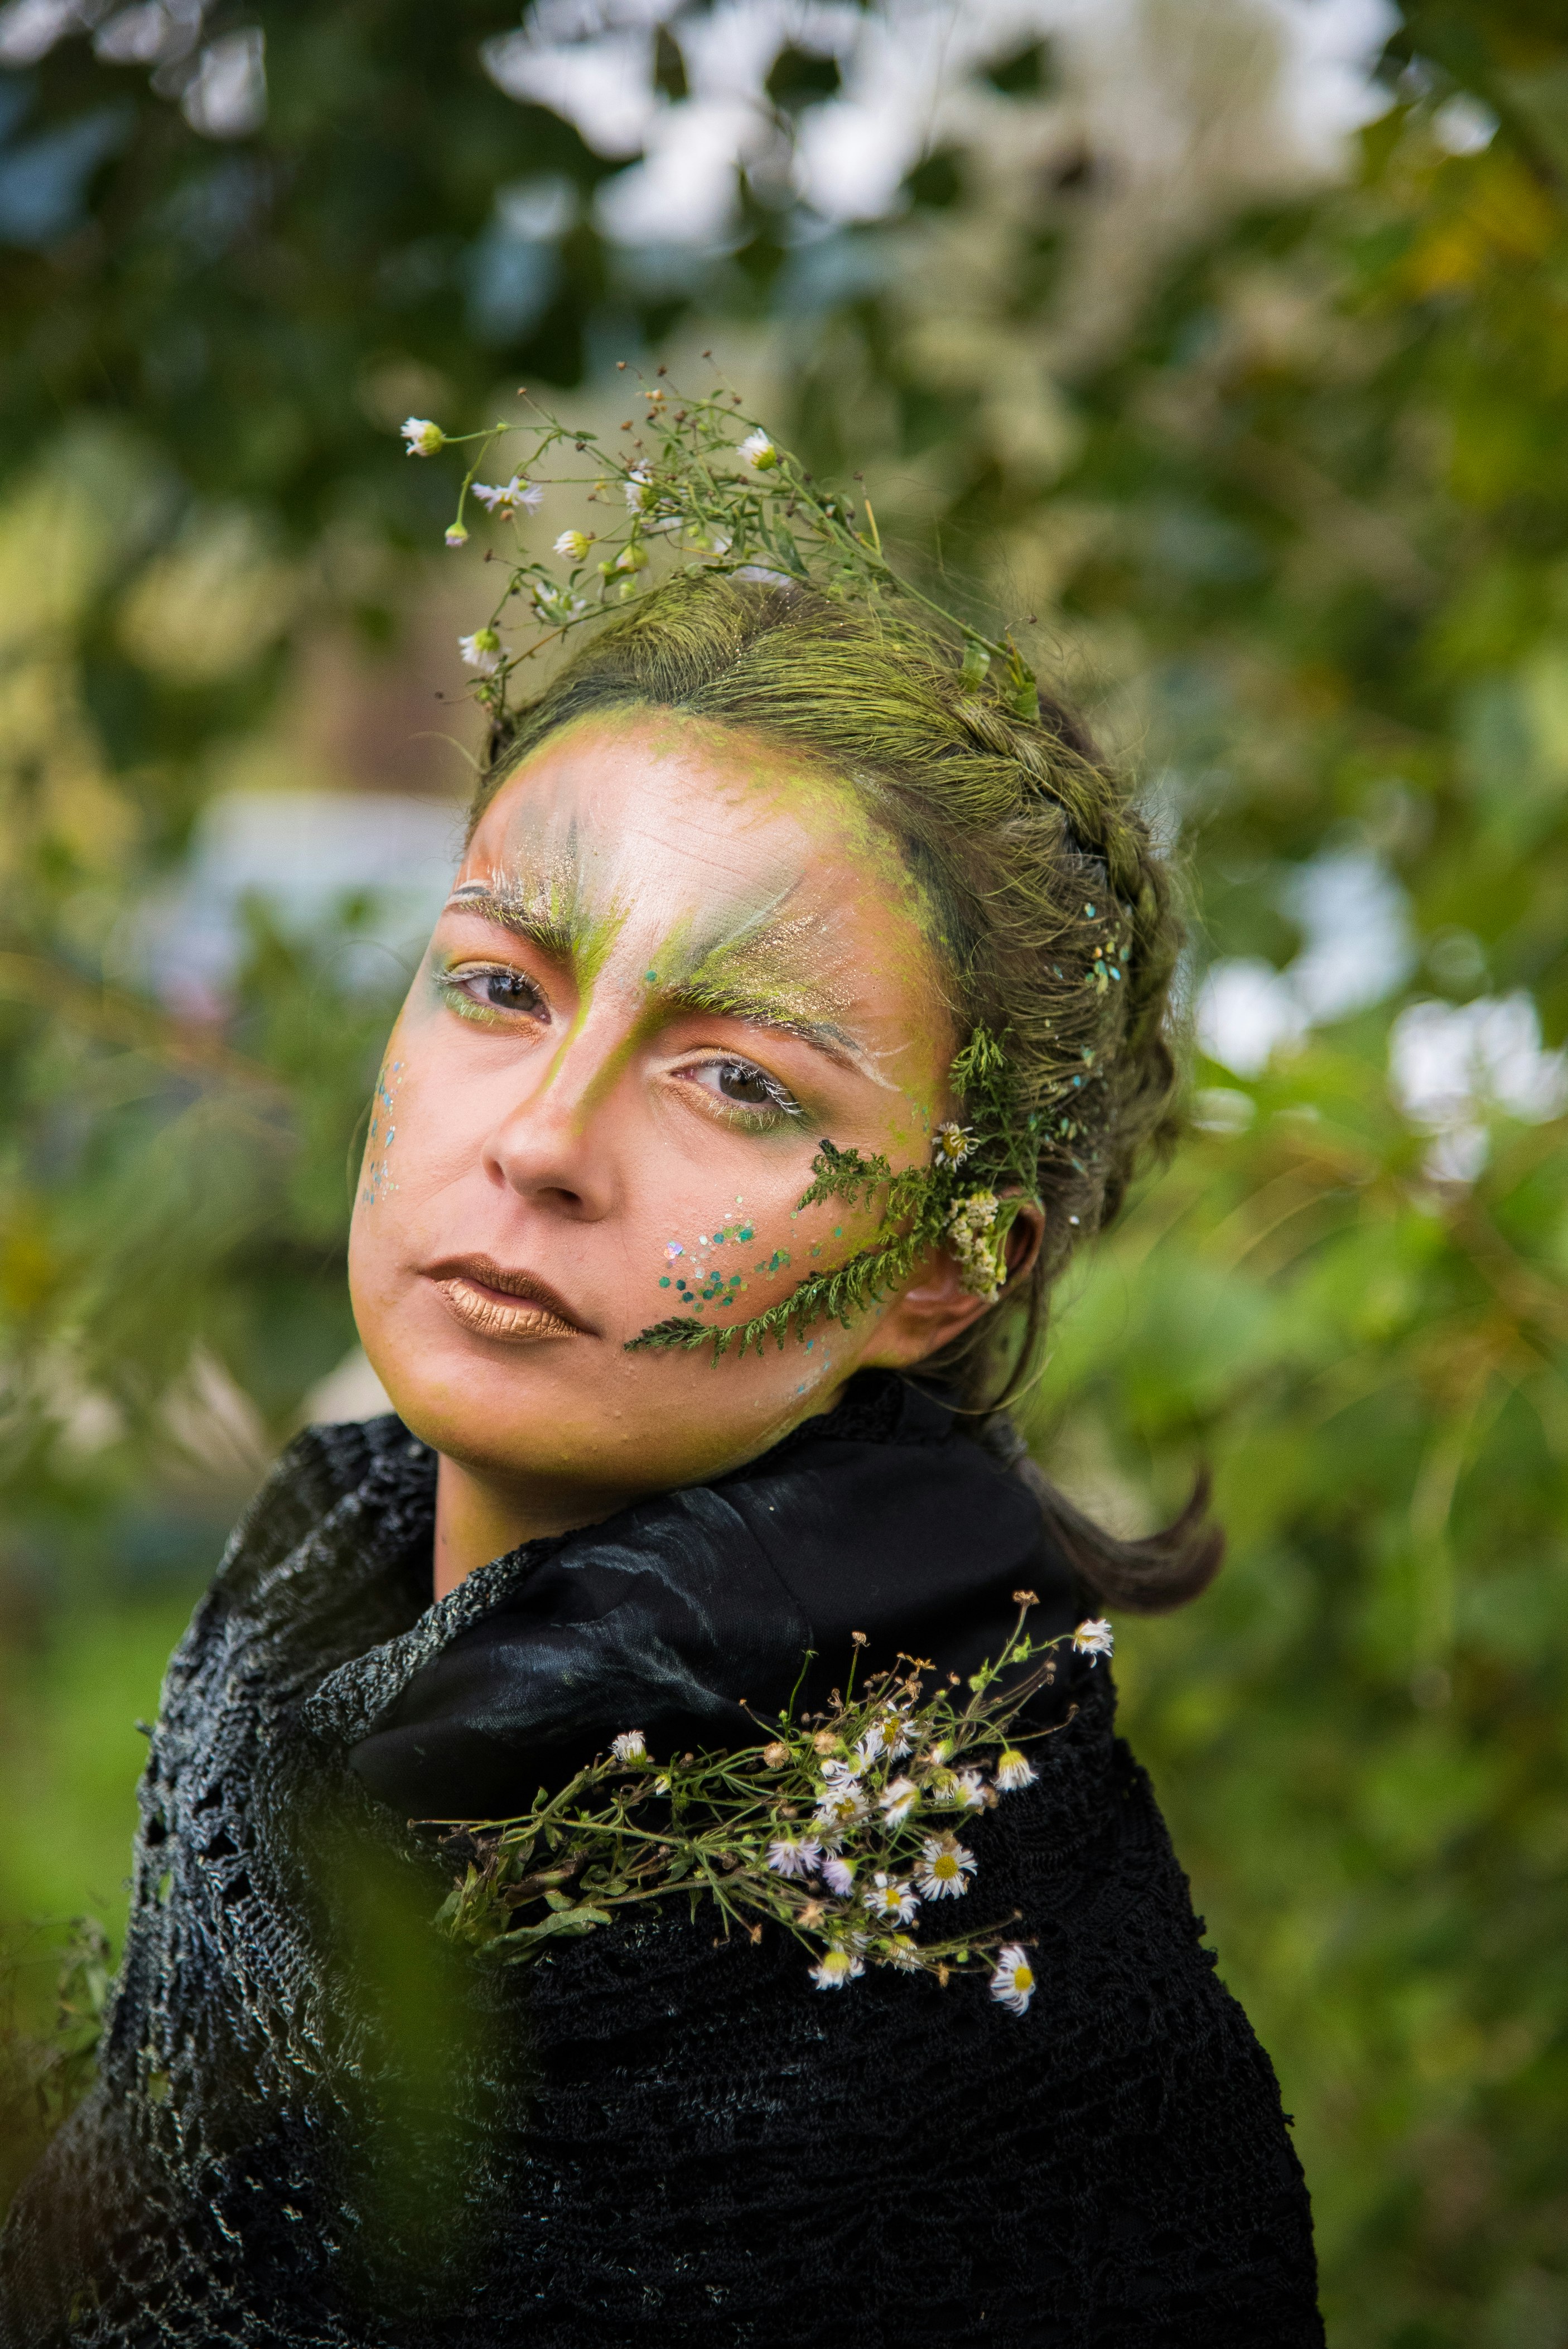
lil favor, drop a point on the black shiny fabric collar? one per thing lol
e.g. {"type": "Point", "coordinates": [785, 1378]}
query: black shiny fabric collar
{"type": "Point", "coordinates": [676, 1615]}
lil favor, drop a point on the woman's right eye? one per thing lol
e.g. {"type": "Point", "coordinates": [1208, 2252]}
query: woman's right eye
{"type": "Point", "coordinates": [496, 988]}
{"type": "Point", "coordinates": [507, 990]}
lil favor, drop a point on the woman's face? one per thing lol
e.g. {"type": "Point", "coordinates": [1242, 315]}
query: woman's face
{"type": "Point", "coordinates": [672, 961]}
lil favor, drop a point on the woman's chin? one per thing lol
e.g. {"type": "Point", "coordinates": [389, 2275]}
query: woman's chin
{"type": "Point", "coordinates": [562, 1413]}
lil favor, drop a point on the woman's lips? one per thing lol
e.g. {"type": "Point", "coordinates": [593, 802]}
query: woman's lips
{"type": "Point", "coordinates": [494, 1302]}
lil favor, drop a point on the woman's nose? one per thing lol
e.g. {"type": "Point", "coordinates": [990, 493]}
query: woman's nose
{"type": "Point", "coordinates": [554, 1148]}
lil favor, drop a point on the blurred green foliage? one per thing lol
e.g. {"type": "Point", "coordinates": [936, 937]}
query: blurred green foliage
{"type": "Point", "coordinates": [1288, 492]}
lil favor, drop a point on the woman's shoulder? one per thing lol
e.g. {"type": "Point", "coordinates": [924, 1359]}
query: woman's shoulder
{"type": "Point", "coordinates": [323, 1473]}
{"type": "Point", "coordinates": [329, 1555]}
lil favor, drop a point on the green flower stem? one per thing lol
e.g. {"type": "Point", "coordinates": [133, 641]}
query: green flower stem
{"type": "Point", "coordinates": [756, 518]}
{"type": "Point", "coordinates": [728, 1809]}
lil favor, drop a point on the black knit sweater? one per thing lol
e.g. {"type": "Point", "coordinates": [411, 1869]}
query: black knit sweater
{"type": "Point", "coordinates": [315, 2123]}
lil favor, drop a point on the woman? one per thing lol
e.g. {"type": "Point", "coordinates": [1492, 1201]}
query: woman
{"type": "Point", "coordinates": [743, 885]}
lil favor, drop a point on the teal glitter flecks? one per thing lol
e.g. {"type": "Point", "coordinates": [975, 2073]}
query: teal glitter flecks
{"type": "Point", "coordinates": [377, 1180]}
{"type": "Point", "coordinates": [915, 1206]}
{"type": "Point", "coordinates": [702, 1283]}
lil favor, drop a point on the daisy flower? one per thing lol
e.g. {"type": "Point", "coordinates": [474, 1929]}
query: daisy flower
{"type": "Point", "coordinates": [456, 534]}
{"type": "Point", "coordinates": [905, 1953]}
{"type": "Point", "coordinates": [759, 452]}
{"type": "Point", "coordinates": [871, 1747]}
{"type": "Point", "coordinates": [574, 545]}
{"type": "Point", "coordinates": [838, 1814]}
{"type": "Point", "coordinates": [952, 1144]}
{"type": "Point", "coordinates": [839, 1875]}
{"type": "Point", "coordinates": [1013, 1982]}
{"type": "Point", "coordinates": [629, 1746]}
{"type": "Point", "coordinates": [637, 485]}
{"type": "Point", "coordinates": [971, 1790]}
{"type": "Point", "coordinates": [897, 1799]}
{"type": "Point", "coordinates": [894, 1735]}
{"type": "Point", "coordinates": [424, 437]}
{"type": "Point", "coordinates": [1094, 1638]}
{"type": "Point", "coordinates": [794, 1855]}
{"type": "Point", "coordinates": [840, 1966]}
{"type": "Point", "coordinates": [1013, 1770]}
{"type": "Point", "coordinates": [555, 605]}
{"type": "Point", "coordinates": [481, 651]}
{"type": "Point", "coordinates": [944, 1865]}
{"type": "Point", "coordinates": [510, 497]}
{"type": "Point", "coordinates": [889, 1902]}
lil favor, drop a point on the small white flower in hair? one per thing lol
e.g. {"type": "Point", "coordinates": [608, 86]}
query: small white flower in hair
{"type": "Point", "coordinates": [510, 497]}
{"type": "Point", "coordinates": [630, 1747]}
{"type": "Point", "coordinates": [1015, 1770]}
{"type": "Point", "coordinates": [555, 605]}
{"type": "Point", "coordinates": [759, 452]}
{"type": "Point", "coordinates": [574, 545]}
{"type": "Point", "coordinates": [839, 1875]}
{"type": "Point", "coordinates": [424, 437]}
{"type": "Point", "coordinates": [952, 1144]}
{"type": "Point", "coordinates": [971, 1237]}
{"type": "Point", "coordinates": [481, 651]}
{"type": "Point", "coordinates": [1094, 1638]}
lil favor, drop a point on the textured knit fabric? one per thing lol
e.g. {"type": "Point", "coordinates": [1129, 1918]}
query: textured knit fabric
{"type": "Point", "coordinates": [317, 2123]}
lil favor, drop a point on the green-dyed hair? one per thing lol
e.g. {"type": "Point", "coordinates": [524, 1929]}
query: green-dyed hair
{"type": "Point", "coordinates": [1058, 932]}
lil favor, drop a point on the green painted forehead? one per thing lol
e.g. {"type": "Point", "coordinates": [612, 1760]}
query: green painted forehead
{"type": "Point", "coordinates": [756, 901]}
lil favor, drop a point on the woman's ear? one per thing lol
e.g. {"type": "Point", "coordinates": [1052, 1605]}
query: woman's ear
{"type": "Point", "coordinates": [937, 1308]}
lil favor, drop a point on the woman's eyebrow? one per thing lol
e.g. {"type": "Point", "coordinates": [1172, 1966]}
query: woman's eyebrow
{"type": "Point", "coordinates": [724, 998]}
{"type": "Point", "coordinates": [542, 927]}
{"type": "Point", "coordinates": [733, 1000]}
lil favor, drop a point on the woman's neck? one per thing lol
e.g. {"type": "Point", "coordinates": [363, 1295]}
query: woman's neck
{"type": "Point", "coordinates": [479, 1518]}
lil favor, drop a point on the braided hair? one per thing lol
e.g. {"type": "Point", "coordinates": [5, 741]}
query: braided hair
{"type": "Point", "coordinates": [1053, 910]}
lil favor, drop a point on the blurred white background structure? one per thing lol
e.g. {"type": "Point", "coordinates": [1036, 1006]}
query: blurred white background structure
{"type": "Point", "coordinates": [303, 857]}
{"type": "Point", "coordinates": [908, 74]}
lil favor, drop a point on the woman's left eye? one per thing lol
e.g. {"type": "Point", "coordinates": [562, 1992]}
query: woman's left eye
{"type": "Point", "coordinates": [745, 1086]}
